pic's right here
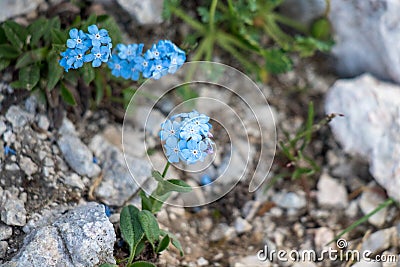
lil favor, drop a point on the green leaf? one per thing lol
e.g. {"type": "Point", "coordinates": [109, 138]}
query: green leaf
{"type": "Point", "coordinates": [53, 25]}
{"type": "Point", "coordinates": [164, 243]}
{"type": "Point", "coordinates": [175, 185]}
{"type": "Point", "coordinates": [321, 29]}
{"type": "Point", "coordinates": [276, 61]}
{"type": "Point", "coordinates": [30, 57]}
{"type": "Point", "coordinates": [131, 229]}
{"type": "Point", "coordinates": [36, 30]}
{"type": "Point", "coordinates": [168, 7]}
{"type": "Point", "coordinates": [99, 85]}
{"type": "Point", "coordinates": [142, 264]}
{"type": "Point", "coordinates": [8, 51]}
{"type": "Point", "coordinates": [174, 240]}
{"type": "Point", "coordinates": [88, 73]}
{"type": "Point", "coordinates": [108, 265]}
{"type": "Point", "coordinates": [307, 46]}
{"type": "Point", "coordinates": [15, 33]}
{"type": "Point", "coordinates": [55, 71]}
{"type": "Point", "coordinates": [150, 226]}
{"type": "Point", "coordinates": [67, 96]}
{"type": "Point", "coordinates": [157, 175]}
{"type": "Point", "coordinates": [146, 202]}
{"type": "Point", "coordinates": [3, 37]}
{"type": "Point", "coordinates": [29, 76]}
{"type": "Point", "coordinates": [58, 37]}
{"type": "Point", "coordinates": [140, 247]}
{"type": "Point", "coordinates": [4, 63]}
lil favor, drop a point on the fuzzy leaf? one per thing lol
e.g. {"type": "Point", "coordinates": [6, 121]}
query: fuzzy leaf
{"type": "Point", "coordinates": [88, 73]}
{"type": "Point", "coordinates": [150, 226]}
{"type": "Point", "coordinates": [15, 33]}
{"type": "Point", "coordinates": [31, 57]}
{"type": "Point", "coordinates": [55, 71]}
{"type": "Point", "coordinates": [58, 37]}
{"type": "Point", "coordinates": [4, 63]}
{"type": "Point", "coordinates": [67, 96]}
{"type": "Point", "coordinates": [108, 265]}
{"type": "Point", "coordinates": [131, 229]}
{"type": "Point", "coordinates": [36, 30]}
{"type": "Point", "coordinates": [29, 76]}
{"type": "Point", "coordinates": [8, 51]}
{"type": "Point", "coordinates": [175, 185]}
{"type": "Point", "coordinates": [164, 243]}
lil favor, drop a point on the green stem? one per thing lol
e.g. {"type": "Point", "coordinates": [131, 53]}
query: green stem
{"type": "Point", "coordinates": [289, 22]}
{"type": "Point", "coordinates": [191, 22]}
{"type": "Point", "coordinates": [225, 37]}
{"type": "Point", "coordinates": [212, 15]}
{"type": "Point", "coordinates": [383, 205]}
{"type": "Point", "coordinates": [130, 260]}
{"type": "Point", "coordinates": [165, 169]}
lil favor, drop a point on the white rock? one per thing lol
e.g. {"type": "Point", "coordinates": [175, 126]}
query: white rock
{"type": "Point", "coordinates": [331, 193]}
{"type": "Point", "coordinates": [242, 226]}
{"type": "Point", "coordinates": [370, 125]}
{"type": "Point", "coordinates": [366, 33]}
{"type": "Point", "coordinates": [323, 236]}
{"type": "Point", "coordinates": [369, 201]}
{"type": "Point", "coordinates": [380, 240]}
{"type": "Point", "coordinates": [202, 261]}
{"type": "Point", "coordinates": [12, 8]}
{"type": "Point", "coordinates": [3, 249]}
{"type": "Point", "coordinates": [145, 12]}
{"type": "Point", "coordinates": [28, 166]}
{"type": "Point", "coordinates": [290, 200]}
{"type": "Point", "coordinates": [222, 231]}
{"type": "Point", "coordinates": [43, 122]}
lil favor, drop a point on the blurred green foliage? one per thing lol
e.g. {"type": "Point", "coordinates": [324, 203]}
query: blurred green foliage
{"type": "Point", "coordinates": [252, 31]}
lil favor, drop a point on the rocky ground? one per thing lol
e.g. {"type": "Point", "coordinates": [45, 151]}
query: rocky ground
{"type": "Point", "coordinates": [63, 182]}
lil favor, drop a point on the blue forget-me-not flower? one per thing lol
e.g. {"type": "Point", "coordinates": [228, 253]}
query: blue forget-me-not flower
{"type": "Point", "coordinates": [94, 47]}
{"type": "Point", "coordinates": [162, 58]}
{"type": "Point", "coordinates": [187, 137]}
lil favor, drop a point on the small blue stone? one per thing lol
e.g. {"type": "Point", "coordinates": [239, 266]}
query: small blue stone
{"type": "Point", "coordinates": [205, 180]}
{"type": "Point", "coordinates": [8, 150]}
{"type": "Point", "coordinates": [107, 210]}
{"type": "Point", "coordinates": [95, 161]}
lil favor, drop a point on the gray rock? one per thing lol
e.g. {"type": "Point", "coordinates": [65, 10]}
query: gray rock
{"type": "Point", "coordinates": [331, 193]}
{"type": "Point", "coordinates": [369, 201]}
{"type": "Point", "coordinates": [364, 33]}
{"type": "Point", "coordinates": [82, 237]}
{"type": "Point", "coordinates": [222, 232]}
{"type": "Point", "coordinates": [43, 122]}
{"type": "Point", "coordinates": [380, 240]}
{"type": "Point", "coordinates": [13, 167]}
{"type": "Point", "coordinates": [144, 12]}
{"type": "Point", "coordinates": [202, 262]}
{"type": "Point", "coordinates": [74, 180]}
{"type": "Point", "coordinates": [3, 127]}
{"type": "Point", "coordinates": [12, 8]}
{"type": "Point", "coordinates": [18, 117]}
{"type": "Point", "coordinates": [77, 155]}
{"type": "Point", "coordinates": [251, 260]}
{"type": "Point", "coordinates": [242, 226]}
{"type": "Point", "coordinates": [370, 126]}
{"type": "Point", "coordinates": [290, 200]}
{"type": "Point", "coordinates": [28, 166]}
{"type": "Point", "coordinates": [5, 231]}
{"type": "Point", "coordinates": [117, 185]}
{"type": "Point", "coordinates": [304, 11]}
{"type": "Point", "coordinates": [3, 249]}
{"type": "Point", "coordinates": [323, 236]}
{"type": "Point", "coordinates": [12, 209]}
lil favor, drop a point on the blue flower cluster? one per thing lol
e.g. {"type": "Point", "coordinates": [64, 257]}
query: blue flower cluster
{"type": "Point", "coordinates": [187, 137]}
{"type": "Point", "coordinates": [129, 61]}
{"type": "Point", "coordinates": [94, 47]}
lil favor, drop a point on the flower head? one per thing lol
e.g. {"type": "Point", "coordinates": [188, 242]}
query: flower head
{"type": "Point", "coordinates": [186, 137]}
{"type": "Point", "coordinates": [94, 47]}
